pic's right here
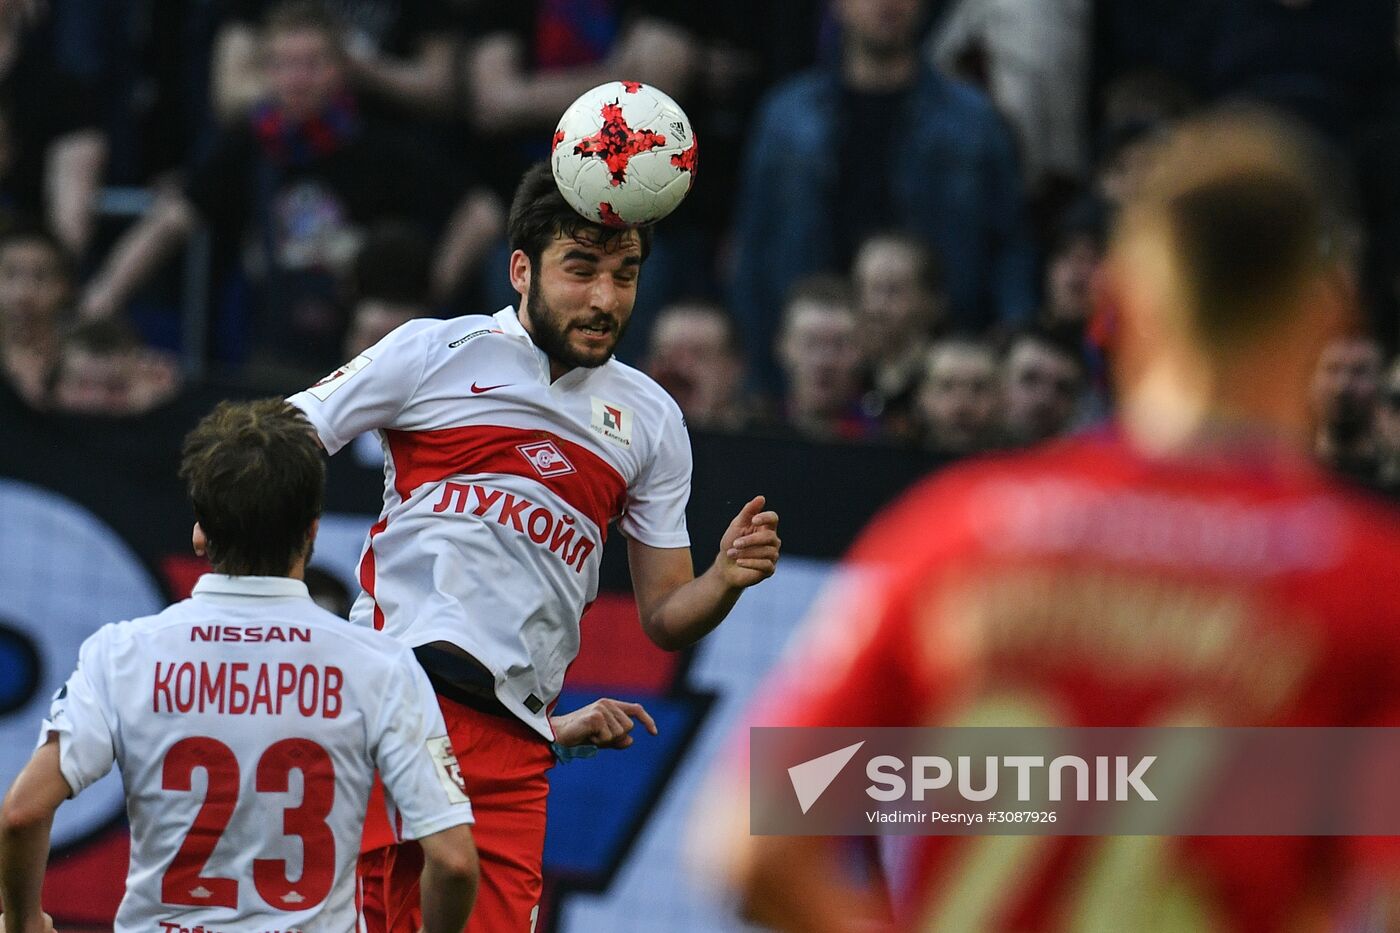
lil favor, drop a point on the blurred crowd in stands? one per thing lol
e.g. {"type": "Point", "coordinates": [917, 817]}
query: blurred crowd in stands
{"type": "Point", "coordinates": [893, 236]}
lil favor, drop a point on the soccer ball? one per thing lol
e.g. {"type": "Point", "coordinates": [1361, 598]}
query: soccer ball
{"type": "Point", "coordinates": [624, 154]}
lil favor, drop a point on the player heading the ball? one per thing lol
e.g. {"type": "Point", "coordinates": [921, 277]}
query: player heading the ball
{"type": "Point", "coordinates": [514, 442]}
{"type": "Point", "coordinates": [247, 761]}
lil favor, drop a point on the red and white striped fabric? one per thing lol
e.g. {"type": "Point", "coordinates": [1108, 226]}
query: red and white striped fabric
{"type": "Point", "coordinates": [499, 487]}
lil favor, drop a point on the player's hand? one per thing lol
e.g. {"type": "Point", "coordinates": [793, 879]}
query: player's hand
{"type": "Point", "coordinates": [748, 551]}
{"type": "Point", "coordinates": [604, 723]}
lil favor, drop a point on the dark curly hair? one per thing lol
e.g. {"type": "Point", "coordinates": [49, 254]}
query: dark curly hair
{"type": "Point", "coordinates": [539, 213]}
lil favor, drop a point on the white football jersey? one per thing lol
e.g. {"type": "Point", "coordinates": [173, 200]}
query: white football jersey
{"type": "Point", "coordinates": [247, 724]}
{"type": "Point", "coordinates": [499, 487]}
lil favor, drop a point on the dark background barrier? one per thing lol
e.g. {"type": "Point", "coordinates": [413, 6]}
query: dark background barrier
{"type": "Point", "coordinates": [124, 471]}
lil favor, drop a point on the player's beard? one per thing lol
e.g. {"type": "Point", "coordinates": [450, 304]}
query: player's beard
{"type": "Point", "coordinates": [551, 333]}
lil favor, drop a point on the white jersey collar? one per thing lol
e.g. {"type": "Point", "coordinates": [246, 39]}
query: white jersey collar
{"type": "Point", "coordinates": [220, 584]}
{"type": "Point", "coordinates": [509, 320]}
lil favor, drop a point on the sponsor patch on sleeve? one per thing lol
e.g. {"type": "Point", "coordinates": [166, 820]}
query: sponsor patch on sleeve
{"type": "Point", "coordinates": [612, 421]}
{"type": "Point", "coordinates": [449, 772]}
{"type": "Point", "coordinates": [323, 389]}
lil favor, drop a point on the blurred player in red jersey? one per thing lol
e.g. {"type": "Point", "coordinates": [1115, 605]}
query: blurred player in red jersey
{"type": "Point", "coordinates": [1191, 566]}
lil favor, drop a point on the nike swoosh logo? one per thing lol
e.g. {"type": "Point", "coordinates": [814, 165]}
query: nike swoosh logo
{"type": "Point", "coordinates": [477, 390]}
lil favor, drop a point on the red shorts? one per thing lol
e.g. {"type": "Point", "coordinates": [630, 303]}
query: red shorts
{"type": "Point", "coordinates": [505, 765]}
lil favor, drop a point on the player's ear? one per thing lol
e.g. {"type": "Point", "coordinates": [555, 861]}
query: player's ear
{"type": "Point", "coordinates": [199, 541]}
{"type": "Point", "coordinates": [520, 272]}
{"type": "Point", "coordinates": [308, 547]}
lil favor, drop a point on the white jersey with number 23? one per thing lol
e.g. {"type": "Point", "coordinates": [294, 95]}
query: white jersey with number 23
{"type": "Point", "coordinates": [247, 723]}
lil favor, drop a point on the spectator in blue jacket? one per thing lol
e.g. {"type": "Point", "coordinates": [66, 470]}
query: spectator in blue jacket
{"type": "Point", "coordinates": [881, 141]}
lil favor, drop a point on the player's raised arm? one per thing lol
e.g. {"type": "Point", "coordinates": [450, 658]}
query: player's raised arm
{"type": "Point", "coordinates": [678, 608]}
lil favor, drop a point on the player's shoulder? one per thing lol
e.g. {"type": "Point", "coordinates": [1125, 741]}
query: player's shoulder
{"type": "Point", "coordinates": [964, 477]}
{"type": "Point", "coordinates": [120, 636]}
{"type": "Point", "coordinates": [1106, 461]}
{"type": "Point", "coordinates": [401, 351]}
{"type": "Point", "coordinates": [956, 95]}
{"type": "Point", "coordinates": [180, 617]}
{"type": "Point", "coordinates": [470, 337]}
{"type": "Point", "coordinates": [458, 332]}
{"type": "Point", "coordinates": [935, 508]}
{"type": "Point", "coordinates": [1103, 467]}
{"type": "Point", "coordinates": [107, 637]}
{"type": "Point", "coordinates": [957, 506]}
{"type": "Point", "coordinates": [439, 333]}
{"type": "Point", "coordinates": [432, 341]}
{"type": "Point", "coordinates": [431, 331]}
{"type": "Point", "coordinates": [343, 629]}
{"type": "Point", "coordinates": [633, 387]}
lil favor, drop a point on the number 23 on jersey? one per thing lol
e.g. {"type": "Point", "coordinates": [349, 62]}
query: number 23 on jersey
{"type": "Point", "coordinates": [184, 883]}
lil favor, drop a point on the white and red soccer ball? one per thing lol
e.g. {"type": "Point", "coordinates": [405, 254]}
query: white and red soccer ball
{"type": "Point", "coordinates": [624, 154]}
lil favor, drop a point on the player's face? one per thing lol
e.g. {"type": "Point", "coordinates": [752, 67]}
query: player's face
{"type": "Point", "coordinates": [581, 297]}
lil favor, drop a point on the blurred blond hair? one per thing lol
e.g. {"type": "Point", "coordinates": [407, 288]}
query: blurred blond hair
{"type": "Point", "coordinates": [1250, 206]}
